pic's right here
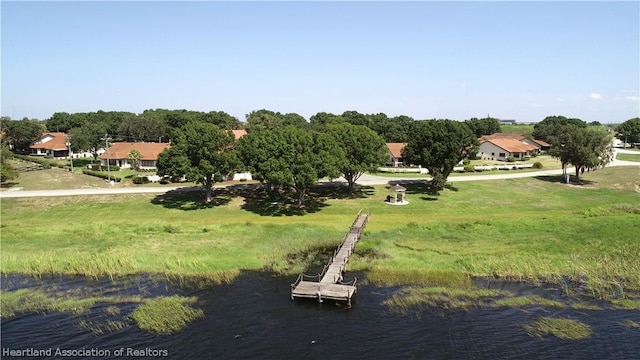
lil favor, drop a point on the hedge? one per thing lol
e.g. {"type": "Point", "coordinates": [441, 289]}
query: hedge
{"type": "Point", "coordinates": [101, 175]}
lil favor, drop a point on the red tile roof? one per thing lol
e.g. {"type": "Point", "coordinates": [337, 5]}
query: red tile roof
{"type": "Point", "coordinates": [512, 146]}
{"type": "Point", "coordinates": [121, 150]}
{"type": "Point", "coordinates": [58, 141]}
{"type": "Point", "coordinates": [542, 143]}
{"type": "Point", "coordinates": [239, 133]}
{"type": "Point", "coordinates": [396, 149]}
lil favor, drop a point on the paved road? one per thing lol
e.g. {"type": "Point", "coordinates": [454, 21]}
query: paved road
{"type": "Point", "coordinates": [365, 179]}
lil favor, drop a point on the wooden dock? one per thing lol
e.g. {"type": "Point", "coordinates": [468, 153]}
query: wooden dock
{"type": "Point", "coordinates": [329, 284]}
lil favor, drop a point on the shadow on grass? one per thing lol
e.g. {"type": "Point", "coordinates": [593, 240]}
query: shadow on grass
{"type": "Point", "coordinates": [421, 187]}
{"type": "Point", "coordinates": [8, 185]}
{"type": "Point", "coordinates": [284, 203]}
{"type": "Point", "coordinates": [190, 199]}
{"type": "Point", "coordinates": [261, 201]}
{"type": "Point", "coordinates": [561, 180]}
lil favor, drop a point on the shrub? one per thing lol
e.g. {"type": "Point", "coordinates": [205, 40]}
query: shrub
{"type": "Point", "coordinates": [101, 175]}
{"type": "Point", "coordinates": [511, 159]}
{"type": "Point", "coordinates": [537, 165]}
{"type": "Point", "coordinates": [469, 168]}
{"type": "Point", "coordinates": [466, 162]}
{"type": "Point", "coordinates": [164, 181]}
{"type": "Point", "coordinates": [141, 180]}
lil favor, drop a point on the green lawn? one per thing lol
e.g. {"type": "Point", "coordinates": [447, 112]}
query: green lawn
{"type": "Point", "coordinates": [548, 163]}
{"type": "Point", "coordinates": [628, 157]}
{"type": "Point", "coordinates": [530, 229]}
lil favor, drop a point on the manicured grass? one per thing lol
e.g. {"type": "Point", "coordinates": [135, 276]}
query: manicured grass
{"type": "Point", "coordinates": [548, 163]}
{"type": "Point", "coordinates": [628, 157]}
{"type": "Point", "coordinates": [531, 229]}
{"type": "Point", "coordinates": [567, 329]}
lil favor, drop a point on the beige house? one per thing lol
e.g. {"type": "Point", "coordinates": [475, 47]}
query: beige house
{"type": "Point", "coordinates": [503, 148]}
{"type": "Point", "coordinates": [395, 154]}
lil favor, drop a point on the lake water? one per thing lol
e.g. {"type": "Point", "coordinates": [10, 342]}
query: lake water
{"type": "Point", "coordinates": [254, 318]}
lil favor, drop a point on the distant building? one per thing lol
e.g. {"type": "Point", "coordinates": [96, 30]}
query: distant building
{"type": "Point", "coordinates": [501, 146]}
{"type": "Point", "coordinates": [118, 152]}
{"type": "Point", "coordinates": [395, 154]}
{"type": "Point", "coordinates": [53, 144]}
{"type": "Point", "coordinates": [506, 122]}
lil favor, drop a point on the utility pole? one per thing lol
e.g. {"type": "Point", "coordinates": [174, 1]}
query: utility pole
{"type": "Point", "coordinates": [70, 157]}
{"type": "Point", "coordinates": [106, 139]}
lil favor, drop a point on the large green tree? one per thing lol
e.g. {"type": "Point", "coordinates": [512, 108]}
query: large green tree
{"type": "Point", "coordinates": [484, 126]}
{"type": "Point", "coordinates": [322, 119]}
{"type": "Point", "coordinates": [551, 128]}
{"type": "Point", "coordinates": [267, 119]}
{"type": "Point", "coordinates": [143, 127]}
{"type": "Point", "coordinates": [583, 147]}
{"type": "Point", "coordinates": [7, 172]}
{"type": "Point", "coordinates": [291, 157]}
{"type": "Point", "coordinates": [89, 137]}
{"type": "Point", "coordinates": [200, 152]}
{"type": "Point", "coordinates": [629, 131]}
{"type": "Point", "coordinates": [21, 134]}
{"type": "Point", "coordinates": [364, 150]}
{"type": "Point", "coordinates": [438, 145]}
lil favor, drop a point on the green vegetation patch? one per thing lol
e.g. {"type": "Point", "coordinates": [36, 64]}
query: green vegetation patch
{"type": "Point", "coordinates": [28, 301]}
{"type": "Point", "coordinates": [166, 315]}
{"type": "Point", "coordinates": [626, 304]}
{"type": "Point", "coordinates": [438, 299]}
{"type": "Point", "coordinates": [567, 329]}
{"type": "Point", "coordinates": [631, 324]}
{"type": "Point", "coordinates": [628, 157]}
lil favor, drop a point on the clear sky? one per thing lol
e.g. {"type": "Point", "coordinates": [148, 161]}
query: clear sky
{"type": "Point", "coordinates": [456, 60]}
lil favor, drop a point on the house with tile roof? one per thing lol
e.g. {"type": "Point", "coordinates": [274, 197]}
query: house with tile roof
{"type": "Point", "coordinates": [395, 154]}
{"type": "Point", "coordinates": [501, 148]}
{"type": "Point", "coordinates": [53, 144]}
{"type": "Point", "coordinates": [118, 152]}
{"type": "Point", "coordinates": [239, 133]}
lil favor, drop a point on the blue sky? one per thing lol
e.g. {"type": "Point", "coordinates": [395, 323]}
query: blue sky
{"type": "Point", "coordinates": [456, 60]}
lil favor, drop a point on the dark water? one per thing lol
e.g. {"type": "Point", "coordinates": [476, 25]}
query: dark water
{"type": "Point", "coordinates": [253, 318]}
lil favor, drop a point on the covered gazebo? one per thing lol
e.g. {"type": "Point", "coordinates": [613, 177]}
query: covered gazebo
{"type": "Point", "coordinates": [397, 195]}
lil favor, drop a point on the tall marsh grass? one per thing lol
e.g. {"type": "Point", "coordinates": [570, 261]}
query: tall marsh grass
{"type": "Point", "coordinates": [166, 315]}
{"type": "Point", "coordinates": [566, 329]}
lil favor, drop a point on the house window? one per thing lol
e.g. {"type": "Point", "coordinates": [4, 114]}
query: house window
{"type": "Point", "coordinates": [501, 155]}
{"type": "Point", "coordinates": [147, 163]}
{"type": "Point", "coordinates": [493, 154]}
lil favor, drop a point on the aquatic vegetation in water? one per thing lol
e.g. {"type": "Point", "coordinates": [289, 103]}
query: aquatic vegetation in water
{"type": "Point", "coordinates": [631, 324]}
{"type": "Point", "coordinates": [166, 315]}
{"type": "Point", "coordinates": [438, 299]}
{"type": "Point", "coordinates": [27, 301]}
{"type": "Point", "coordinates": [567, 329]}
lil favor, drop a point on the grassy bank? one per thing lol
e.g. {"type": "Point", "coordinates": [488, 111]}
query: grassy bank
{"type": "Point", "coordinates": [535, 229]}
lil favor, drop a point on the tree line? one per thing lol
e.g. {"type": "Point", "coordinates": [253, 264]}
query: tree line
{"type": "Point", "coordinates": [286, 151]}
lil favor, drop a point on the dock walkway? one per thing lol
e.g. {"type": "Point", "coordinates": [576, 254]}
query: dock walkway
{"type": "Point", "coordinates": [329, 284]}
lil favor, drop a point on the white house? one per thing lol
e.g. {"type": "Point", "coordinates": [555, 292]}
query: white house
{"type": "Point", "coordinates": [53, 144]}
{"type": "Point", "coordinates": [118, 152]}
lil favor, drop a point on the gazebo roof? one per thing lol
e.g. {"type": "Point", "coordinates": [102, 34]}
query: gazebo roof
{"type": "Point", "coordinates": [397, 188]}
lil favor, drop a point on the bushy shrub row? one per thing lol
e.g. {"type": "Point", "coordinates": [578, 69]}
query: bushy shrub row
{"type": "Point", "coordinates": [141, 180]}
{"type": "Point", "coordinates": [101, 175]}
{"type": "Point", "coordinates": [98, 167]}
{"type": "Point", "coordinates": [46, 163]}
